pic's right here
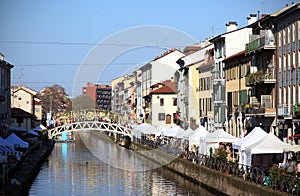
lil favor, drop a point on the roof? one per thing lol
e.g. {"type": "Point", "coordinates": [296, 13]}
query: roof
{"type": "Point", "coordinates": [168, 88]}
{"type": "Point", "coordinates": [26, 89]}
{"type": "Point", "coordinates": [18, 112]}
{"type": "Point", "coordinates": [235, 55]}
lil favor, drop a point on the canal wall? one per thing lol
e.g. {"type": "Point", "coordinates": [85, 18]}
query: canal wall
{"type": "Point", "coordinates": [212, 180]}
{"type": "Point", "coordinates": [21, 177]}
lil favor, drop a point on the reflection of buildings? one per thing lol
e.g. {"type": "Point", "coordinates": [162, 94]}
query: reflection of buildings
{"type": "Point", "coordinates": [5, 83]}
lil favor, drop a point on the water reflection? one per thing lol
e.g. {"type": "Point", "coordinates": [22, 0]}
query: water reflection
{"type": "Point", "coordinates": [73, 170]}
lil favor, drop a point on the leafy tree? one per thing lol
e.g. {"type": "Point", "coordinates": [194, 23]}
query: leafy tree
{"type": "Point", "coordinates": [83, 102]}
{"type": "Point", "coordinates": [54, 98]}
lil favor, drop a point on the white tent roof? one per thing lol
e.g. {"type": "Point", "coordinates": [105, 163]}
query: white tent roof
{"type": "Point", "coordinates": [185, 134]}
{"type": "Point", "coordinates": [16, 141]}
{"type": "Point", "coordinates": [199, 133]}
{"type": "Point", "coordinates": [269, 144]}
{"type": "Point", "coordinates": [253, 137]}
{"type": "Point", "coordinates": [40, 127]}
{"type": "Point", "coordinates": [220, 135]}
{"type": "Point", "coordinates": [32, 132]}
{"type": "Point", "coordinates": [4, 143]}
{"type": "Point", "coordinates": [159, 130]}
{"type": "Point", "coordinates": [173, 131]}
{"type": "Point", "coordinates": [293, 148]}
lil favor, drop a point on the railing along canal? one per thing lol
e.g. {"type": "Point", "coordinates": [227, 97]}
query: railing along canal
{"type": "Point", "coordinates": [275, 178]}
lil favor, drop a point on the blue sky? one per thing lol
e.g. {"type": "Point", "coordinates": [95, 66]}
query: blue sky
{"type": "Point", "coordinates": [47, 41]}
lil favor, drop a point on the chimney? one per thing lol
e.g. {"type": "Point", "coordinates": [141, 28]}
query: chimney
{"type": "Point", "coordinates": [1, 57]}
{"type": "Point", "coordinates": [231, 26]}
{"type": "Point", "coordinates": [252, 19]}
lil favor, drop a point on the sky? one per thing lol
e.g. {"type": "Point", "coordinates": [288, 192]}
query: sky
{"type": "Point", "coordinates": [55, 42]}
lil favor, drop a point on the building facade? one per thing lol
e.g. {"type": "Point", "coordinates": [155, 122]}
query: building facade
{"type": "Point", "coordinates": [25, 99]}
{"type": "Point", "coordinates": [286, 27]}
{"type": "Point", "coordinates": [225, 45]}
{"type": "Point", "coordinates": [5, 88]}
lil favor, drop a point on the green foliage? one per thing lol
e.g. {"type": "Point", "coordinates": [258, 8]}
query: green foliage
{"type": "Point", "coordinates": [220, 153]}
{"type": "Point", "coordinates": [83, 102]}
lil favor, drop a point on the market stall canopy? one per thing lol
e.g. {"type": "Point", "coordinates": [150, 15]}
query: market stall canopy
{"type": "Point", "coordinates": [4, 143]}
{"type": "Point", "coordinates": [137, 130]}
{"type": "Point", "coordinates": [293, 148]}
{"type": "Point", "coordinates": [197, 135]}
{"type": "Point", "coordinates": [159, 130]}
{"type": "Point", "coordinates": [219, 135]}
{"type": "Point", "coordinates": [173, 131]}
{"type": "Point", "coordinates": [185, 134]}
{"type": "Point", "coordinates": [40, 127]}
{"type": "Point", "coordinates": [32, 132]}
{"type": "Point", "coordinates": [268, 145]}
{"type": "Point", "coordinates": [16, 141]}
{"type": "Point", "coordinates": [253, 137]}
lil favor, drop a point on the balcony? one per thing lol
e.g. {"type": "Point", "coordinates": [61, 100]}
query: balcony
{"type": "Point", "coordinates": [261, 77]}
{"type": "Point", "coordinates": [283, 110]}
{"type": "Point", "coordinates": [263, 108]}
{"type": "Point", "coordinates": [264, 41]}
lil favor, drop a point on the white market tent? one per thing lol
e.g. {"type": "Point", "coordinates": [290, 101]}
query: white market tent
{"type": "Point", "coordinates": [185, 134]}
{"type": "Point", "coordinates": [268, 145]}
{"type": "Point", "coordinates": [159, 130]}
{"type": "Point", "coordinates": [16, 141]}
{"type": "Point", "coordinates": [32, 132]}
{"type": "Point", "coordinates": [198, 135]}
{"type": "Point", "coordinates": [254, 136]}
{"type": "Point", "coordinates": [213, 139]}
{"type": "Point", "coordinates": [220, 135]}
{"type": "Point", "coordinates": [293, 148]}
{"type": "Point", "coordinates": [173, 131]}
{"type": "Point", "coordinates": [40, 127]}
{"type": "Point", "coordinates": [139, 129]}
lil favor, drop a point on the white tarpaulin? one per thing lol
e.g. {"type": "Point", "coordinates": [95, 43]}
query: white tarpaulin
{"type": "Point", "coordinates": [268, 145]}
{"type": "Point", "coordinates": [137, 130]}
{"type": "Point", "coordinates": [220, 135]}
{"type": "Point", "coordinates": [198, 135]}
{"type": "Point", "coordinates": [254, 136]}
{"type": "Point", "coordinates": [185, 134]}
{"type": "Point", "coordinates": [159, 130]}
{"type": "Point", "coordinates": [16, 141]}
{"type": "Point", "coordinates": [173, 131]}
{"type": "Point", "coordinates": [40, 127]}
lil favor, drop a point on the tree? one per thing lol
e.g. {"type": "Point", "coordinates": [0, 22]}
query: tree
{"type": "Point", "coordinates": [54, 98]}
{"type": "Point", "coordinates": [83, 102]}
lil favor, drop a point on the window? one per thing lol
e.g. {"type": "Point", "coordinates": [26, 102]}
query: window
{"type": "Point", "coordinates": [289, 77]}
{"type": "Point", "coordinates": [284, 79]}
{"type": "Point", "coordinates": [161, 101]}
{"type": "Point", "coordinates": [161, 116]}
{"type": "Point", "coordinates": [168, 119]}
{"type": "Point", "coordinates": [175, 102]}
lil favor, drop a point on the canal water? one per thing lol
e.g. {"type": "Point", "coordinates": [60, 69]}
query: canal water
{"type": "Point", "coordinates": [75, 169]}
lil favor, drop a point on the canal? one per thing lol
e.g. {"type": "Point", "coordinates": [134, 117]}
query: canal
{"type": "Point", "coordinates": [94, 166]}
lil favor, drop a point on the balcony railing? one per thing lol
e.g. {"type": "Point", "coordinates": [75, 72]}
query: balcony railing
{"type": "Point", "coordinates": [283, 110]}
{"type": "Point", "coordinates": [262, 42]}
{"type": "Point", "coordinates": [266, 77]}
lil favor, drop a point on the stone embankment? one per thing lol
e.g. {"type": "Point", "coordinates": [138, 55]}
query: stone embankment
{"type": "Point", "coordinates": [21, 177]}
{"type": "Point", "coordinates": [212, 180]}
